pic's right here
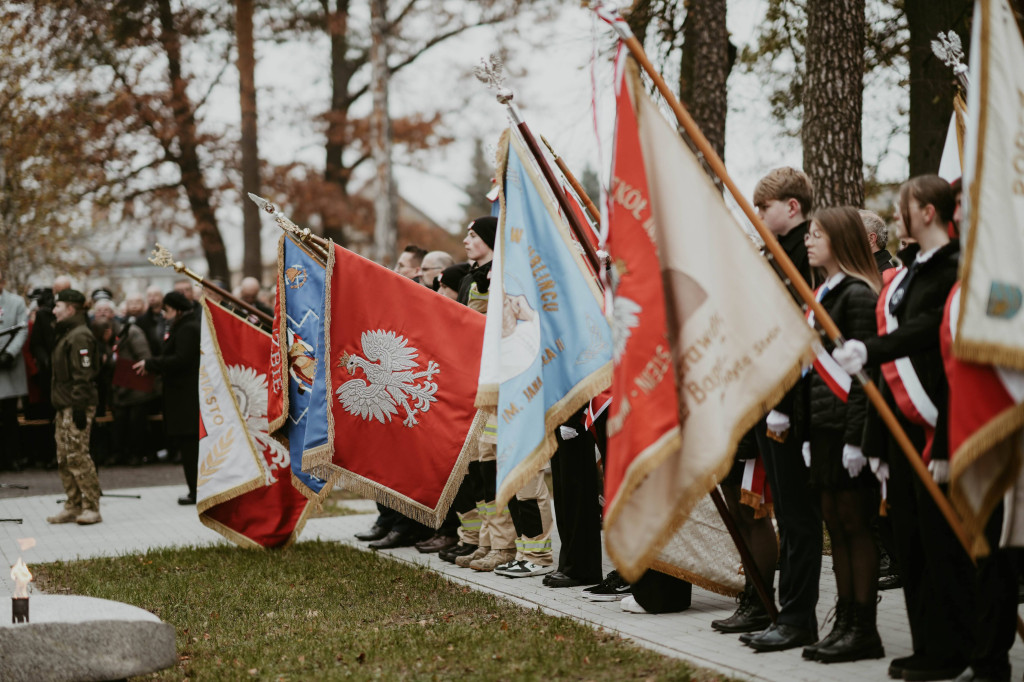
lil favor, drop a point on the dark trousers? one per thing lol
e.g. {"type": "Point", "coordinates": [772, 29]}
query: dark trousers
{"type": "Point", "coordinates": [659, 592]}
{"type": "Point", "coordinates": [937, 574]}
{"type": "Point", "coordinates": [392, 520]}
{"type": "Point", "coordinates": [131, 425]}
{"type": "Point", "coordinates": [576, 491]}
{"type": "Point", "coordinates": [798, 513]}
{"type": "Point", "coordinates": [996, 611]}
{"type": "Point", "coordinates": [187, 447]}
{"type": "Point", "coordinates": [10, 438]}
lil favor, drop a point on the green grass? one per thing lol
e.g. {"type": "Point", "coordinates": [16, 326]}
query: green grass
{"type": "Point", "coordinates": [323, 611]}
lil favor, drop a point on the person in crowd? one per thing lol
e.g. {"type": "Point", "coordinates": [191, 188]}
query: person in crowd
{"type": "Point", "coordinates": [756, 528]}
{"type": "Point", "coordinates": [131, 396]}
{"type": "Point", "coordinates": [152, 321]}
{"type": "Point", "coordinates": [450, 280]}
{"type": "Point", "coordinates": [937, 574]}
{"type": "Point", "coordinates": [577, 489]}
{"type": "Point", "coordinates": [410, 262]}
{"type": "Point", "coordinates": [178, 365]}
{"type": "Point", "coordinates": [878, 238]}
{"type": "Point", "coordinates": [13, 375]}
{"type": "Point", "coordinates": [187, 288]}
{"type": "Point", "coordinates": [41, 341]}
{"type": "Point", "coordinates": [249, 292]}
{"type": "Point", "coordinates": [432, 266]}
{"type": "Point", "coordinates": [60, 283]}
{"type": "Point", "coordinates": [832, 424]}
{"type": "Point", "coordinates": [783, 200]}
{"type": "Point", "coordinates": [75, 363]}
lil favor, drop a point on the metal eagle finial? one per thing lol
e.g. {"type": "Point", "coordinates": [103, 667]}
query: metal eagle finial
{"type": "Point", "coordinates": [950, 50]}
{"type": "Point", "coordinates": [162, 258]}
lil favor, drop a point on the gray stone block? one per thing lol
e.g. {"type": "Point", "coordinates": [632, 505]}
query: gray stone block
{"type": "Point", "coordinates": [80, 639]}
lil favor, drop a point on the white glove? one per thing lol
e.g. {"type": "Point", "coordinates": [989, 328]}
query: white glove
{"type": "Point", "coordinates": [881, 471]}
{"type": "Point", "coordinates": [939, 469]}
{"type": "Point", "coordinates": [567, 432]}
{"type": "Point", "coordinates": [806, 452]}
{"type": "Point", "coordinates": [851, 357]}
{"type": "Point", "coordinates": [778, 423]}
{"type": "Point", "coordinates": [853, 460]}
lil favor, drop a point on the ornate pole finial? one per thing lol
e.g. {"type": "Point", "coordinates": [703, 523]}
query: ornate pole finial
{"type": "Point", "coordinates": [949, 49]}
{"type": "Point", "coordinates": [304, 234]}
{"type": "Point", "coordinates": [162, 258]}
{"type": "Point", "coordinates": [490, 72]}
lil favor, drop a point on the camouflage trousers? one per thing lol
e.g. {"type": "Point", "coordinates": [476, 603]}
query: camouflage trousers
{"type": "Point", "coordinates": [77, 472]}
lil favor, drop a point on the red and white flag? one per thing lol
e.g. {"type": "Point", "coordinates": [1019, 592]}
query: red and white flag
{"type": "Point", "coordinates": [403, 363]}
{"type": "Point", "coordinates": [244, 489]}
{"type": "Point", "coordinates": [733, 343]}
{"type": "Point", "coordinates": [986, 419]}
{"type": "Point", "coordinates": [834, 376]}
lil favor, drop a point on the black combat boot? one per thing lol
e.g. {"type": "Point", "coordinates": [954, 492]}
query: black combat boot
{"type": "Point", "coordinates": [751, 614]}
{"type": "Point", "coordinates": [861, 640]}
{"type": "Point", "coordinates": [839, 628]}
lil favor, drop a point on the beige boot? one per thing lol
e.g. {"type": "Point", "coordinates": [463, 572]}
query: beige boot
{"type": "Point", "coordinates": [494, 558]}
{"type": "Point", "coordinates": [88, 517]}
{"type": "Point", "coordinates": [464, 561]}
{"type": "Point", "coordinates": [66, 516]}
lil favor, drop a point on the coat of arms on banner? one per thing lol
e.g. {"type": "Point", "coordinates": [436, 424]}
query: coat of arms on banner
{"type": "Point", "coordinates": [249, 388]}
{"type": "Point", "coordinates": [390, 380]}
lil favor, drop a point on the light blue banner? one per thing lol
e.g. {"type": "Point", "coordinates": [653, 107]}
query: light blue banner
{"type": "Point", "coordinates": [556, 348]}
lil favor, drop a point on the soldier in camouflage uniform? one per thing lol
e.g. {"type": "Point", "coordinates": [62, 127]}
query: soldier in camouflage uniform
{"type": "Point", "coordinates": [74, 396]}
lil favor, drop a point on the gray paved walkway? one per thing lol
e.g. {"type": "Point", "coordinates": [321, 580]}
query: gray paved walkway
{"type": "Point", "coordinates": [155, 520]}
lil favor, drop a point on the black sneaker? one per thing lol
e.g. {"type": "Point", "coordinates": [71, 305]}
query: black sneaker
{"type": "Point", "coordinates": [452, 553]}
{"type": "Point", "coordinates": [612, 588]}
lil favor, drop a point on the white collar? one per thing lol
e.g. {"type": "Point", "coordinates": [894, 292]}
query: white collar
{"type": "Point", "coordinates": [924, 256]}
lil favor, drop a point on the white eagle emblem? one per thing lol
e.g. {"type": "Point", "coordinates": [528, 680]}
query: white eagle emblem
{"type": "Point", "coordinates": [390, 379]}
{"type": "Point", "coordinates": [250, 390]}
{"type": "Point", "coordinates": [624, 317]}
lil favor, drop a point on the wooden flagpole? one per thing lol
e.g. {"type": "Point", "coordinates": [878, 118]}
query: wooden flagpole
{"type": "Point", "coordinates": [163, 258]}
{"type": "Point", "coordinates": [595, 215]}
{"type": "Point", "coordinates": [795, 280]}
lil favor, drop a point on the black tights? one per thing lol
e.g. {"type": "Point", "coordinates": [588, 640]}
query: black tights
{"type": "Point", "coordinates": [759, 534]}
{"type": "Point", "coordinates": [848, 515]}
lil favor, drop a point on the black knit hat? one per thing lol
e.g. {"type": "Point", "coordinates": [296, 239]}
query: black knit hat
{"type": "Point", "coordinates": [485, 228]}
{"type": "Point", "coordinates": [177, 300]}
{"type": "Point", "coordinates": [71, 296]}
{"type": "Point", "coordinates": [452, 276]}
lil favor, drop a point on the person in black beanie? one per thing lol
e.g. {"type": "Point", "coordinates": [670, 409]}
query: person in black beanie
{"type": "Point", "coordinates": [474, 286]}
{"type": "Point", "coordinates": [178, 363]}
{"type": "Point", "coordinates": [450, 281]}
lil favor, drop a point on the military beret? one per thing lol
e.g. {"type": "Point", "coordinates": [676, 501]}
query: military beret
{"type": "Point", "coordinates": [71, 296]}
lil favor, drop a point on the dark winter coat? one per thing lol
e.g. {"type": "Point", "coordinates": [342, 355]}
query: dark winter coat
{"type": "Point", "coordinates": [852, 306]}
{"type": "Point", "coordinates": [884, 260]}
{"type": "Point", "coordinates": [178, 364]}
{"type": "Point", "coordinates": [919, 318]}
{"type": "Point", "coordinates": [75, 363]}
{"type": "Point", "coordinates": [793, 244]}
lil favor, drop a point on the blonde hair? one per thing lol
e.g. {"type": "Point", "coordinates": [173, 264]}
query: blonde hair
{"type": "Point", "coordinates": [785, 183]}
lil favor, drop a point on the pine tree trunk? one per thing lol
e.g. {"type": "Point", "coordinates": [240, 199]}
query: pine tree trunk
{"type": "Point", "coordinates": [252, 265]}
{"type": "Point", "coordinates": [705, 67]}
{"type": "Point", "coordinates": [833, 101]}
{"type": "Point", "coordinates": [932, 83]}
{"type": "Point", "coordinates": [199, 195]}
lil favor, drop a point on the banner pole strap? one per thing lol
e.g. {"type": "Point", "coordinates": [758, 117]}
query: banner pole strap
{"type": "Point", "coordinates": [796, 280]}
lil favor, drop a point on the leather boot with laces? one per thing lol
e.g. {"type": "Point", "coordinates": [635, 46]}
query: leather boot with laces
{"type": "Point", "coordinates": [750, 615]}
{"type": "Point", "coordinates": [839, 628]}
{"type": "Point", "coordinates": [860, 641]}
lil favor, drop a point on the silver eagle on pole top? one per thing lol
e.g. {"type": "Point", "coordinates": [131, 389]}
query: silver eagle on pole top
{"type": "Point", "coordinates": [948, 48]}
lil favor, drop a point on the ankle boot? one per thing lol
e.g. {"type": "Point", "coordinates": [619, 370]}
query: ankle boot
{"type": "Point", "coordinates": [839, 627]}
{"type": "Point", "coordinates": [750, 616]}
{"type": "Point", "coordinates": [861, 640]}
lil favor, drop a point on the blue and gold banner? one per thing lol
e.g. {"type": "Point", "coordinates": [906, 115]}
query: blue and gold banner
{"type": "Point", "coordinates": [548, 347]}
{"type": "Point", "coordinates": [300, 306]}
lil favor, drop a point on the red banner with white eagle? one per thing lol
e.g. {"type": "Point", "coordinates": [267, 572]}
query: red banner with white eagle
{"type": "Point", "coordinates": [403, 363]}
{"type": "Point", "coordinates": [244, 489]}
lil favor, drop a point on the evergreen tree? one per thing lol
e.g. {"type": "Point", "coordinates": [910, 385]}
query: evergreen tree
{"type": "Point", "coordinates": [477, 204]}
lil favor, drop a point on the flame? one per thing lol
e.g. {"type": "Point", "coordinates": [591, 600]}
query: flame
{"type": "Point", "coordinates": [26, 544]}
{"type": "Point", "coordinates": [21, 576]}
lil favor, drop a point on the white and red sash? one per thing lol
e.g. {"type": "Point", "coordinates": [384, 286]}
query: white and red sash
{"type": "Point", "coordinates": [834, 376]}
{"type": "Point", "coordinates": [909, 394]}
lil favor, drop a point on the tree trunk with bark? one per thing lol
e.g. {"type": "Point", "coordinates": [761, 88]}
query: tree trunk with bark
{"type": "Point", "coordinates": [252, 262]}
{"type": "Point", "coordinates": [385, 229]}
{"type": "Point", "coordinates": [705, 66]}
{"type": "Point", "coordinates": [187, 158]}
{"type": "Point", "coordinates": [336, 174]}
{"type": "Point", "coordinates": [833, 101]}
{"type": "Point", "coordinates": [932, 83]}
